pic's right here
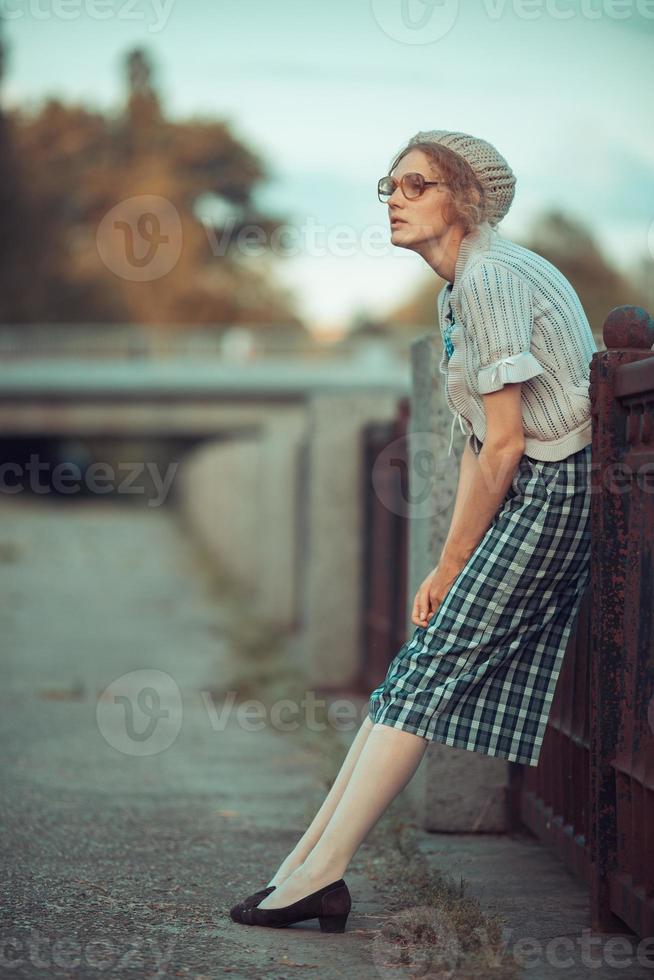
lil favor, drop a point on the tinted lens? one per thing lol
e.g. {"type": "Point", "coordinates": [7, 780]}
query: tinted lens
{"type": "Point", "coordinates": [412, 185]}
{"type": "Point", "coordinates": [385, 188]}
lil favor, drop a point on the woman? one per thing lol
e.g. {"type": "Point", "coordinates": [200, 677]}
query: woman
{"type": "Point", "coordinates": [494, 616]}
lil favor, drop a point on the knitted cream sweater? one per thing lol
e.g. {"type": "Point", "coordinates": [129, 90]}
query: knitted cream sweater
{"type": "Point", "coordinates": [510, 315]}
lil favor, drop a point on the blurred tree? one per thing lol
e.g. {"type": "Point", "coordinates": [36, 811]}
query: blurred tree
{"type": "Point", "coordinates": [143, 110]}
{"type": "Point", "coordinates": [31, 266]}
{"type": "Point", "coordinates": [77, 165]}
{"type": "Point", "coordinates": [419, 310]}
{"type": "Point", "coordinates": [571, 248]}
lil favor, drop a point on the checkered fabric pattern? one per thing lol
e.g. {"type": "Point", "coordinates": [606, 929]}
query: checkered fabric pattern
{"type": "Point", "coordinates": [481, 675]}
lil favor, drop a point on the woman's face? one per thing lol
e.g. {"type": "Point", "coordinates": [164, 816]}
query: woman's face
{"type": "Point", "coordinates": [416, 222]}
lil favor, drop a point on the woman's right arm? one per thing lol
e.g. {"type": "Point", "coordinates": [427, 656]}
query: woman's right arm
{"type": "Point", "coordinates": [469, 463]}
{"type": "Point", "coordinates": [422, 605]}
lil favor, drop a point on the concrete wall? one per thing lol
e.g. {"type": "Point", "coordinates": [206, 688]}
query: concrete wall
{"type": "Point", "coordinates": [241, 499]}
{"type": "Point", "coordinates": [280, 509]}
{"type": "Point", "coordinates": [333, 542]}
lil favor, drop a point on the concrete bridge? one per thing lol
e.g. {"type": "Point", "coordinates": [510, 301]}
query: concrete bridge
{"type": "Point", "coordinates": [265, 467]}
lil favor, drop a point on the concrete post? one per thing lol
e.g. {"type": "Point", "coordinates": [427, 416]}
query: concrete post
{"type": "Point", "coordinates": [334, 533]}
{"type": "Point", "coordinates": [455, 789]}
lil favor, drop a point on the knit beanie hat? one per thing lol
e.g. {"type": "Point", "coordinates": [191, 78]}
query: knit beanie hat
{"type": "Point", "coordinates": [491, 169]}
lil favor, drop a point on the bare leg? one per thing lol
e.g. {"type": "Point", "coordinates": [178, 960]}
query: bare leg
{"type": "Point", "coordinates": [386, 764]}
{"type": "Point", "coordinates": [312, 834]}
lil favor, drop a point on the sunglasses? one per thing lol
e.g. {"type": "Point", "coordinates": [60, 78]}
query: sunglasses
{"type": "Point", "coordinates": [413, 185]}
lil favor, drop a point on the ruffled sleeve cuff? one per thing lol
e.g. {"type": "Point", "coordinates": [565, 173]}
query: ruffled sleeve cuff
{"type": "Point", "coordinates": [517, 367]}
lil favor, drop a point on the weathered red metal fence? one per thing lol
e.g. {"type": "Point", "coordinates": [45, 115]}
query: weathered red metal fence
{"type": "Point", "coordinates": [591, 797]}
{"type": "Point", "coordinates": [385, 545]}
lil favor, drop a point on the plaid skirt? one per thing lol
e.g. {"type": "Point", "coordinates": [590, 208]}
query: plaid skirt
{"type": "Point", "coordinates": [481, 674]}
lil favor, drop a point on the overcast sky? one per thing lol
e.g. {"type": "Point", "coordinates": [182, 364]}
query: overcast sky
{"type": "Point", "coordinates": [327, 92]}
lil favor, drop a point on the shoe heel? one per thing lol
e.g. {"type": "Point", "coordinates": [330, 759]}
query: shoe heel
{"type": "Point", "coordinates": [333, 923]}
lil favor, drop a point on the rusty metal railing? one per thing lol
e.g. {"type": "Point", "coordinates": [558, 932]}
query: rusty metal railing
{"type": "Point", "coordinates": [385, 546]}
{"type": "Point", "coordinates": [591, 797]}
{"type": "Point", "coordinates": [621, 832]}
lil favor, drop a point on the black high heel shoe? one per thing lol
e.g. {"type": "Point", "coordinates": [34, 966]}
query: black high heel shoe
{"type": "Point", "coordinates": [330, 905]}
{"type": "Point", "coordinates": [249, 902]}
